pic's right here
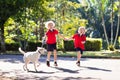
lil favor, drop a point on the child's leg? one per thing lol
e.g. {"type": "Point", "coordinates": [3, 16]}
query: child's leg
{"type": "Point", "coordinates": [55, 55]}
{"type": "Point", "coordinates": [48, 55]}
{"type": "Point", "coordinates": [48, 58]}
{"type": "Point", "coordinates": [78, 55]}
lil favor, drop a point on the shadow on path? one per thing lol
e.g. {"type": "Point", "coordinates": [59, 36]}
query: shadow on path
{"type": "Point", "coordinates": [56, 78]}
{"type": "Point", "coordinates": [66, 70]}
{"type": "Point", "coordinates": [94, 68]}
{"type": "Point", "coordinates": [43, 72]}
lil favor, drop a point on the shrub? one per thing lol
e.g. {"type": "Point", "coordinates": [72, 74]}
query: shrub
{"type": "Point", "coordinates": [111, 48]}
{"type": "Point", "coordinates": [92, 44]}
{"type": "Point", "coordinates": [9, 41]}
{"type": "Point", "coordinates": [12, 46]}
{"type": "Point", "coordinates": [69, 46]}
{"type": "Point", "coordinates": [32, 46]}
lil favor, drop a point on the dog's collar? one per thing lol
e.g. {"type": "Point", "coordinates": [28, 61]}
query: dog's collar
{"type": "Point", "coordinates": [39, 52]}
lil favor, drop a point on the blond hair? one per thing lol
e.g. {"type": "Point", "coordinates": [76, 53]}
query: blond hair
{"type": "Point", "coordinates": [80, 29]}
{"type": "Point", "coordinates": [48, 22]}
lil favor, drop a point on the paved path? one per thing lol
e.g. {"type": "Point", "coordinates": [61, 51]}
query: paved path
{"type": "Point", "coordinates": [11, 68]}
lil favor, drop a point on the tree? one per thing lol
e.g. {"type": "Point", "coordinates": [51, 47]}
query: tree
{"type": "Point", "coordinates": [118, 25]}
{"type": "Point", "coordinates": [9, 8]}
{"type": "Point", "coordinates": [111, 45]}
{"type": "Point", "coordinates": [102, 16]}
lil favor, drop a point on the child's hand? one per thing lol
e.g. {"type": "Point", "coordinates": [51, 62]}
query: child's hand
{"type": "Point", "coordinates": [66, 39]}
{"type": "Point", "coordinates": [83, 42]}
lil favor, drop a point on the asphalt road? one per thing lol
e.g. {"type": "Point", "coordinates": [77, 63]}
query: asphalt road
{"type": "Point", "coordinates": [11, 68]}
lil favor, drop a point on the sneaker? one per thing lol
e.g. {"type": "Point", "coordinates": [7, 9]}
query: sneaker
{"type": "Point", "coordinates": [48, 63]}
{"type": "Point", "coordinates": [78, 63]}
{"type": "Point", "coordinates": [55, 64]}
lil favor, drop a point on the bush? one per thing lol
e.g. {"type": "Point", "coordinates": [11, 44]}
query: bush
{"type": "Point", "coordinates": [32, 46]}
{"type": "Point", "coordinates": [111, 48]}
{"type": "Point", "coordinates": [12, 46]}
{"type": "Point", "coordinates": [92, 44]}
{"type": "Point", "coordinates": [69, 46]}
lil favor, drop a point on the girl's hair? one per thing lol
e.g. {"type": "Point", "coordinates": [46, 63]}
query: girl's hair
{"type": "Point", "coordinates": [81, 28]}
{"type": "Point", "coordinates": [46, 24]}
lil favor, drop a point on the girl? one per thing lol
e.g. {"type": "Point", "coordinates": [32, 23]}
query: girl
{"type": "Point", "coordinates": [79, 41]}
{"type": "Point", "coordinates": [51, 41]}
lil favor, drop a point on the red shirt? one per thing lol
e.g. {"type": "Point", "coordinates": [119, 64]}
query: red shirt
{"type": "Point", "coordinates": [78, 41]}
{"type": "Point", "coordinates": [51, 36]}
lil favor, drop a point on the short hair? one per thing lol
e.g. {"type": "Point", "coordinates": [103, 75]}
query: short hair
{"type": "Point", "coordinates": [80, 28]}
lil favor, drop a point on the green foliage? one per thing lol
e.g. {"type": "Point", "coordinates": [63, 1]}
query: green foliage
{"type": "Point", "coordinates": [93, 44]}
{"type": "Point", "coordinates": [12, 46]}
{"type": "Point", "coordinates": [119, 39]}
{"type": "Point", "coordinates": [111, 48]}
{"type": "Point", "coordinates": [69, 46]}
{"type": "Point", "coordinates": [9, 41]}
{"type": "Point", "coordinates": [32, 46]}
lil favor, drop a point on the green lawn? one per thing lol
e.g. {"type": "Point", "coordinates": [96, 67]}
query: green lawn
{"type": "Point", "coordinates": [92, 54]}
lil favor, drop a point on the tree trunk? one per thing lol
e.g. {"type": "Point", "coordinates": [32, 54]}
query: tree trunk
{"type": "Point", "coordinates": [2, 39]}
{"type": "Point", "coordinates": [103, 22]}
{"type": "Point", "coordinates": [112, 24]}
{"type": "Point", "coordinates": [118, 25]}
{"type": "Point", "coordinates": [41, 28]}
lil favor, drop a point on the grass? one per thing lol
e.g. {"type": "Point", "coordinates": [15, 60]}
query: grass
{"type": "Point", "coordinates": [91, 54]}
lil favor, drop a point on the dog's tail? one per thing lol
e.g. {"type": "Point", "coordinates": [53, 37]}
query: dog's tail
{"type": "Point", "coordinates": [21, 51]}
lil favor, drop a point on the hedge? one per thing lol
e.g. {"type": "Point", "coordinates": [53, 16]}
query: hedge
{"type": "Point", "coordinates": [90, 45]}
{"type": "Point", "coordinates": [12, 46]}
{"type": "Point", "coordinates": [31, 46]}
{"type": "Point", "coordinates": [93, 44]}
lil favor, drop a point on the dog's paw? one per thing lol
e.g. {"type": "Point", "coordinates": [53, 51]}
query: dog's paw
{"type": "Point", "coordinates": [38, 65]}
{"type": "Point", "coordinates": [27, 70]}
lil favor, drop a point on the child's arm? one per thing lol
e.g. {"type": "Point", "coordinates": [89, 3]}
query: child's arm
{"type": "Point", "coordinates": [84, 39]}
{"type": "Point", "coordinates": [60, 35]}
{"type": "Point", "coordinates": [44, 39]}
{"type": "Point", "coordinates": [70, 38]}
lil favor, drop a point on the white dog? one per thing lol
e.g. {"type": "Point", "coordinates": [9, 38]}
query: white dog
{"type": "Point", "coordinates": [32, 57]}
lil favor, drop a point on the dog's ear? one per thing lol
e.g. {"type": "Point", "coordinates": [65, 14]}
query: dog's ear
{"type": "Point", "coordinates": [40, 48]}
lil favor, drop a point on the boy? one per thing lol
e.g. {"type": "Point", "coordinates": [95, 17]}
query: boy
{"type": "Point", "coordinates": [79, 41]}
{"type": "Point", "coordinates": [51, 41]}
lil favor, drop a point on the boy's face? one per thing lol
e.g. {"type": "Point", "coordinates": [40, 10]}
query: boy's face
{"type": "Point", "coordinates": [50, 26]}
{"type": "Point", "coordinates": [82, 31]}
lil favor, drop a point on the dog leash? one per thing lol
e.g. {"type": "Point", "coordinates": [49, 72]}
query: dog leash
{"type": "Point", "coordinates": [43, 41]}
{"type": "Point", "coordinates": [39, 51]}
